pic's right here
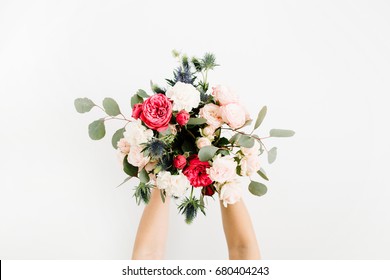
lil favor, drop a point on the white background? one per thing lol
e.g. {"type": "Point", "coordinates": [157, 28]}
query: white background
{"type": "Point", "coordinates": [322, 67]}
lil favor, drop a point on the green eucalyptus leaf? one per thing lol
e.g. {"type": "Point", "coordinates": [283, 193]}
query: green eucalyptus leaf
{"type": "Point", "coordinates": [142, 93]}
{"type": "Point", "coordinates": [196, 121]}
{"type": "Point", "coordinates": [272, 155]}
{"type": "Point", "coordinates": [257, 188]}
{"type": "Point", "coordinates": [246, 141]}
{"type": "Point", "coordinates": [262, 174]}
{"type": "Point", "coordinates": [83, 105]}
{"type": "Point", "coordinates": [234, 138]}
{"type": "Point", "coordinates": [206, 153]}
{"type": "Point", "coordinates": [260, 117]}
{"type": "Point", "coordinates": [118, 135]}
{"type": "Point", "coordinates": [124, 181]}
{"type": "Point", "coordinates": [111, 107]}
{"type": "Point", "coordinates": [97, 130]}
{"type": "Point", "coordinates": [143, 176]}
{"type": "Point", "coordinates": [129, 169]}
{"type": "Point", "coordinates": [136, 99]}
{"type": "Point", "coordinates": [281, 133]}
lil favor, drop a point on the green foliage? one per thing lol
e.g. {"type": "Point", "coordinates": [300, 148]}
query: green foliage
{"type": "Point", "coordinates": [118, 135]}
{"type": "Point", "coordinates": [157, 89]}
{"type": "Point", "coordinates": [83, 105]}
{"type": "Point", "coordinates": [245, 141]}
{"type": "Point", "coordinates": [262, 174]}
{"type": "Point", "coordinates": [143, 176]}
{"type": "Point", "coordinates": [206, 153]}
{"type": "Point", "coordinates": [272, 155]}
{"type": "Point", "coordinates": [208, 61]}
{"type": "Point", "coordinates": [257, 188]}
{"type": "Point", "coordinates": [111, 107]}
{"type": "Point", "coordinates": [189, 208]}
{"type": "Point", "coordinates": [141, 93]}
{"type": "Point", "coordinates": [124, 181]}
{"type": "Point", "coordinates": [260, 117]}
{"type": "Point", "coordinates": [129, 169]}
{"type": "Point", "coordinates": [136, 99]}
{"type": "Point", "coordinates": [142, 193]}
{"type": "Point", "coordinates": [196, 121]}
{"type": "Point", "coordinates": [281, 133]}
{"type": "Point", "coordinates": [97, 130]}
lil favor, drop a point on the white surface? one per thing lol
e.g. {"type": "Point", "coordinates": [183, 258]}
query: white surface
{"type": "Point", "coordinates": [321, 67]}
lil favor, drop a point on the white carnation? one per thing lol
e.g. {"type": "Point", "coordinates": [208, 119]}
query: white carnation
{"type": "Point", "coordinates": [223, 169]}
{"type": "Point", "coordinates": [175, 185]}
{"type": "Point", "coordinates": [136, 134]}
{"type": "Point", "coordinates": [184, 96]}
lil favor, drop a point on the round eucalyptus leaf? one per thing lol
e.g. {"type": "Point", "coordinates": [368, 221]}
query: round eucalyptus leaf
{"type": "Point", "coordinates": [97, 130]}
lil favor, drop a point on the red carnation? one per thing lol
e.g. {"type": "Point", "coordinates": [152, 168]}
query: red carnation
{"type": "Point", "coordinates": [179, 162]}
{"type": "Point", "coordinates": [157, 112]}
{"type": "Point", "coordinates": [137, 110]}
{"type": "Point", "coordinates": [182, 117]}
{"type": "Point", "coordinates": [196, 172]}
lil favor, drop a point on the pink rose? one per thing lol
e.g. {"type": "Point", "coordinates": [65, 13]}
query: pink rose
{"type": "Point", "coordinates": [234, 115]}
{"type": "Point", "coordinates": [224, 95]}
{"type": "Point", "coordinates": [137, 110]}
{"type": "Point", "coordinates": [212, 114]}
{"type": "Point", "coordinates": [156, 112]}
{"type": "Point", "coordinates": [182, 117]}
{"type": "Point", "coordinates": [123, 146]}
{"type": "Point", "coordinates": [179, 162]}
{"type": "Point", "coordinates": [196, 172]}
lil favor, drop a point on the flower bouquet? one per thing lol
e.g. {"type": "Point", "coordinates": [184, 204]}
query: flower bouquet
{"type": "Point", "coordinates": [187, 137]}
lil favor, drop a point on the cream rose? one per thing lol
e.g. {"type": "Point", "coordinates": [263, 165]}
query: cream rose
{"type": "Point", "coordinates": [212, 114]}
{"type": "Point", "coordinates": [202, 142]}
{"type": "Point", "coordinates": [234, 115]}
{"type": "Point", "coordinates": [249, 165]}
{"type": "Point", "coordinates": [230, 192]}
{"type": "Point", "coordinates": [224, 95]}
{"type": "Point", "coordinates": [184, 96]}
{"type": "Point", "coordinates": [223, 169]}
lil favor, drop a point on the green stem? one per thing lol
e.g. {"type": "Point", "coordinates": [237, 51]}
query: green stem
{"type": "Point", "coordinates": [192, 191]}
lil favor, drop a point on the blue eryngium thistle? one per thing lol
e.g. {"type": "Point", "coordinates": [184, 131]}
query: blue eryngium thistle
{"type": "Point", "coordinates": [183, 74]}
{"type": "Point", "coordinates": [156, 148]}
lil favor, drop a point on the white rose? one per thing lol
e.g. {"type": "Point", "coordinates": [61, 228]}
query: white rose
{"type": "Point", "coordinates": [224, 95]}
{"type": "Point", "coordinates": [212, 114]}
{"type": "Point", "coordinates": [223, 169]}
{"type": "Point", "coordinates": [230, 192]}
{"type": "Point", "coordinates": [136, 157]}
{"type": "Point", "coordinates": [255, 150]}
{"type": "Point", "coordinates": [136, 134]}
{"type": "Point", "coordinates": [249, 165]}
{"type": "Point", "coordinates": [184, 96]}
{"type": "Point", "coordinates": [202, 142]}
{"type": "Point", "coordinates": [234, 115]}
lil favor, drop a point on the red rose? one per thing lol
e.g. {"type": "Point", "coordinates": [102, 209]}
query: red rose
{"type": "Point", "coordinates": [182, 117]}
{"type": "Point", "coordinates": [209, 190]}
{"type": "Point", "coordinates": [179, 161]}
{"type": "Point", "coordinates": [137, 110]}
{"type": "Point", "coordinates": [196, 172]}
{"type": "Point", "coordinates": [156, 112]}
